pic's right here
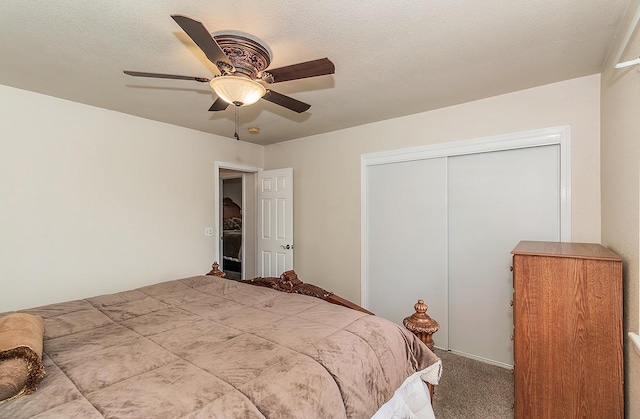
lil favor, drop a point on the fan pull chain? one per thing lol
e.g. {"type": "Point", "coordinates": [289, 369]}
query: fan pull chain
{"type": "Point", "coordinates": [236, 135]}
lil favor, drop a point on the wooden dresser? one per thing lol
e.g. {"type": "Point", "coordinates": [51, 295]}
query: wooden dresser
{"type": "Point", "coordinates": [567, 314]}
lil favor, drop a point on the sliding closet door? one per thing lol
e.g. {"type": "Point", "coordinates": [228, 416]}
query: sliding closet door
{"type": "Point", "coordinates": [495, 200]}
{"type": "Point", "coordinates": [406, 255]}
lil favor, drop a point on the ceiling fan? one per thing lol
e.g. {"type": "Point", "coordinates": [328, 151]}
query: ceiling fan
{"type": "Point", "coordinates": [242, 64]}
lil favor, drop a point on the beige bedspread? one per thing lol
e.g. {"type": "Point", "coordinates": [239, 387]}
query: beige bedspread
{"type": "Point", "coordinates": [207, 347]}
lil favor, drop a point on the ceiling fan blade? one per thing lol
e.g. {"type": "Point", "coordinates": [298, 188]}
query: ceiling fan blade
{"type": "Point", "coordinates": [203, 39]}
{"type": "Point", "coordinates": [314, 68]}
{"type": "Point", "coordinates": [286, 101]}
{"type": "Point", "coordinates": [166, 76]}
{"type": "Point", "coordinates": [219, 105]}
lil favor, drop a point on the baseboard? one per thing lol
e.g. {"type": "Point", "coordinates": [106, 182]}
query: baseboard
{"type": "Point", "coordinates": [479, 358]}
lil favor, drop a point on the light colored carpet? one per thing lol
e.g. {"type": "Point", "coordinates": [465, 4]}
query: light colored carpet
{"type": "Point", "coordinates": [472, 389]}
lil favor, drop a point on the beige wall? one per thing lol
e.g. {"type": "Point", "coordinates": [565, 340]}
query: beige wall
{"type": "Point", "coordinates": [94, 201]}
{"type": "Point", "coordinates": [327, 169]}
{"type": "Point", "coordinates": [620, 189]}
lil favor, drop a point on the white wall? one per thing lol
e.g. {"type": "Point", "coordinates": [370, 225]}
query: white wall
{"type": "Point", "coordinates": [327, 169]}
{"type": "Point", "coordinates": [621, 190]}
{"type": "Point", "coordinates": [93, 201]}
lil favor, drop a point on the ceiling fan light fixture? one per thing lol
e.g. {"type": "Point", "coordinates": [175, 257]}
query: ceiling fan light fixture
{"type": "Point", "coordinates": [236, 90]}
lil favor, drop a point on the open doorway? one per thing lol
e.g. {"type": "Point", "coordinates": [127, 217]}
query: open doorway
{"type": "Point", "coordinates": [232, 221]}
{"type": "Point", "coordinates": [236, 215]}
{"type": "Point", "coordinates": [266, 228]}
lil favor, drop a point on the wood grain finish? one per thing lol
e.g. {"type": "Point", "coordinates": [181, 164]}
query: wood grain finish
{"type": "Point", "coordinates": [421, 324]}
{"type": "Point", "coordinates": [567, 331]}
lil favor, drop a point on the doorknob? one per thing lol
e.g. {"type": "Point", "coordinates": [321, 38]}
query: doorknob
{"type": "Point", "coordinates": [286, 247]}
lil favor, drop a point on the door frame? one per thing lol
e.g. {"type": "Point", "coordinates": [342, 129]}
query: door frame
{"type": "Point", "coordinates": [559, 135]}
{"type": "Point", "coordinates": [217, 199]}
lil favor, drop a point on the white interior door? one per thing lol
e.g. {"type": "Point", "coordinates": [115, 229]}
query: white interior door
{"type": "Point", "coordinates": [495, 200]}
{"type": "Point", "coordinates": [275, 222]}
{"type": "Point", "coordinates": [407, 240]}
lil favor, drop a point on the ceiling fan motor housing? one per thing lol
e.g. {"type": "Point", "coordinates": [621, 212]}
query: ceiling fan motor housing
{"type": "Point", "coordinates": [248, 56]}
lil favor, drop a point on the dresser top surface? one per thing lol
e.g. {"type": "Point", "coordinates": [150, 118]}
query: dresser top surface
{"type": "Point", "coordinates": [565, 249]}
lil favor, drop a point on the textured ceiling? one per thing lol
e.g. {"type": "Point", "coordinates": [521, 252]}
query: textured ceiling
{"type": "Point", "coordinates": [392, 58]}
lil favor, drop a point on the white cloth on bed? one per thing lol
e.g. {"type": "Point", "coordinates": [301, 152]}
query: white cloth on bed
{"type": "Point", "coordinates": [412, 400]}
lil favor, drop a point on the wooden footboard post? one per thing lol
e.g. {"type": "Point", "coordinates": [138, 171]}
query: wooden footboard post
{"type": "Point", "coordinates": [423, 326]}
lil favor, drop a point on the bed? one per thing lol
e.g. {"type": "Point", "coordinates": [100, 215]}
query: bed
{"type": "Point", "coordinates": [209, 347]}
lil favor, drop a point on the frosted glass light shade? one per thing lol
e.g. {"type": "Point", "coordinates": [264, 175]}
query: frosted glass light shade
{"type": "Point", "coordinates": [239, 91]}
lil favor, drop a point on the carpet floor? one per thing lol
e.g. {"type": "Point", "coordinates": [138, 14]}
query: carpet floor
{"type": "Point", "coordinates": [472, 389]}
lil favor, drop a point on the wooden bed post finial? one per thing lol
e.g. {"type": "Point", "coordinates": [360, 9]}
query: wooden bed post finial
{"type": "Point", "coordinates": [421, 325]}
{"type": "Point", "coordinates": [216, 271]}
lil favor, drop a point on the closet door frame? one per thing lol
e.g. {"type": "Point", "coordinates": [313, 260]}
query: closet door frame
{"type": "Point", "coordinates": [560, 135]}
